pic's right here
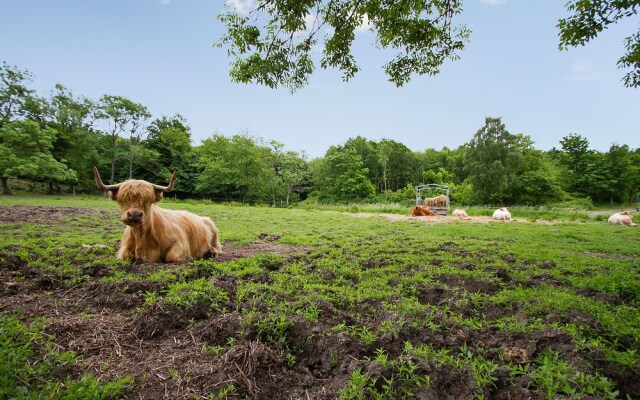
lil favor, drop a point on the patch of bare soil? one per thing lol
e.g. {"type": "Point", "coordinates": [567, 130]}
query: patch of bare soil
{"type": "Point", "coordinates": [46, 214]}
{"type": "Point", "coordinates": [230, 253]}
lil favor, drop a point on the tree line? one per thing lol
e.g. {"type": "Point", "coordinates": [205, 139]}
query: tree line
{"type": "Point", "coordinates": [56, 139]}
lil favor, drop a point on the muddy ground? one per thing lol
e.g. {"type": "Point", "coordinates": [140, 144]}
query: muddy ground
{"type": "Point", "coordinates": [170, 351]}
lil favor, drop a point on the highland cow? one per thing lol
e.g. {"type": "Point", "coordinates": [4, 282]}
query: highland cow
{"type": "Point", "coordinates": [419, 211]}
{"type": "Point", "coordinates": [153, 234]}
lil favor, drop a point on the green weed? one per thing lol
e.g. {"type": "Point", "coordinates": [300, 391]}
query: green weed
{"type": "Point", "coordinates": [32, 369]}
{"type": "Point", "coordinates": [430, 285]}
{"type": "Point", "coordinates": [187, 294]}
{"type": "Point", "coordinates": [556, 377]}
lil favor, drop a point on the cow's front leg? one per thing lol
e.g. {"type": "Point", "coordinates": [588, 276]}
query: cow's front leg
{"type": "Point", "coordinates": [127, 247]}
{"type": "Point", "coordinates": [126, 254]}
{"type": "Point", "coordinates": [148, 254]}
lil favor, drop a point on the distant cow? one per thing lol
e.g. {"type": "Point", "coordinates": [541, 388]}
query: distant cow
{"type": "Point", "coordinates": [502, 214]}
{"type": "Point", "coordinates": [436, 202]}
{"type": "Point", "coordinates": [154, 234]}
{"type": "Point", "coordinates": [623, 218]}
{"type": "Point", "coordinates": [462, 214]}
{"type": "Point", "coordinates": [419, 211]}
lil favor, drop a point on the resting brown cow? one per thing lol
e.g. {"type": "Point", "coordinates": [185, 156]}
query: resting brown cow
{"type": "Point", "coordinates": [154, 234]}
{"type": "Point", "coordinates": [419, 211]}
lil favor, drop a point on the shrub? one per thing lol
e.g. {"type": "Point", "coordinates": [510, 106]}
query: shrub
{"type": "Point", "coordinates": [582, 203]}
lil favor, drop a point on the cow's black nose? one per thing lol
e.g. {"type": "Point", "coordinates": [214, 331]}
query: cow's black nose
{"type": "Point", "coordinates": [134, 215]}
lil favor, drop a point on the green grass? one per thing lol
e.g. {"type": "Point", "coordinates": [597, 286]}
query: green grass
{"type": "Point", "coordinates": [416, 298]}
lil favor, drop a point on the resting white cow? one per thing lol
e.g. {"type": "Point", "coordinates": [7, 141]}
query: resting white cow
{"type": "Point", "coordinates": [460, 213]}
{"type": "Point", "coordinates": [502, 214]}
{"type": "Point", "coordinates": [622, 218]}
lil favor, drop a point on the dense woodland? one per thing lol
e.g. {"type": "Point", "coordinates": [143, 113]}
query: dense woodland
{"type": "Point", "coordinates": [53, 140]}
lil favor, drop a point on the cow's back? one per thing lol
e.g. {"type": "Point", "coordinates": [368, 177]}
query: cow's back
{"type": "Point", "coordinates": [199, 232]}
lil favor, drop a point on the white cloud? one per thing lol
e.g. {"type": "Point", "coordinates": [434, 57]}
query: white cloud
{"type": "Point", "coordinates": [365, 26]}
{"type": "Point", "coordinates": [242, 7]}
{"type": "Point", "coordinates": [165, 2]}
{"type": "Point", "coordinates": [493, 2]}
{"type": "Point", "coordinates": [583, 72]}
{"type": "Point", "coordinates": [310, 21]}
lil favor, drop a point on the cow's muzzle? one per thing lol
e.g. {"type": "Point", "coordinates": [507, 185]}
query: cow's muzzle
{"type": "Point", "coordinates": [133, 218]}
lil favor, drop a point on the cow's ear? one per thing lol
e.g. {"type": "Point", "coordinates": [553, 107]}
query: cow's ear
{"type": "Point", "coordinates": [113, 195]}
{"type": "Point", "coordinates": [158, 195]}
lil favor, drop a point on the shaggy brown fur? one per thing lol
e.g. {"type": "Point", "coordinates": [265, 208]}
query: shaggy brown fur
{"type": "Point", "coordinates": [438, 201]}
{"type": "Point", "coordinates": [154, 234]}
{"type": "Point", "coordinates": [419, 211]}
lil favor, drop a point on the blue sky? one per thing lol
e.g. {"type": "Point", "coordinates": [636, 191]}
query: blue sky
{"type": "Point", "coordinates": [159, 53]}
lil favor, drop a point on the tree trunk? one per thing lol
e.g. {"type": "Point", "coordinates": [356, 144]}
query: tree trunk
{"type": "Point", "coordinates": [384, 177]}
{"type": "Point", "coordinates": [113, 155]}
{"type": "Point", "coordinates": [131, 167]}
{"type": "Point", "coordinates": [5, 186]}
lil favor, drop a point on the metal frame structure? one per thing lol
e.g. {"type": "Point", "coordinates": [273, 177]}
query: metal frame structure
{"type": "Point", "coordinates": [437, 189]}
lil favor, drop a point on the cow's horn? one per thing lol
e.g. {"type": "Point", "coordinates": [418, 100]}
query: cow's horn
{"type": "Point", "coordinates": [102, 186]}
{"type": "Point", "coordinates": [169, 187]}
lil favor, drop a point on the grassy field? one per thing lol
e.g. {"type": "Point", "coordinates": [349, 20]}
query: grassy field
{"type": "Point", "coordinates": [312, 304]}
